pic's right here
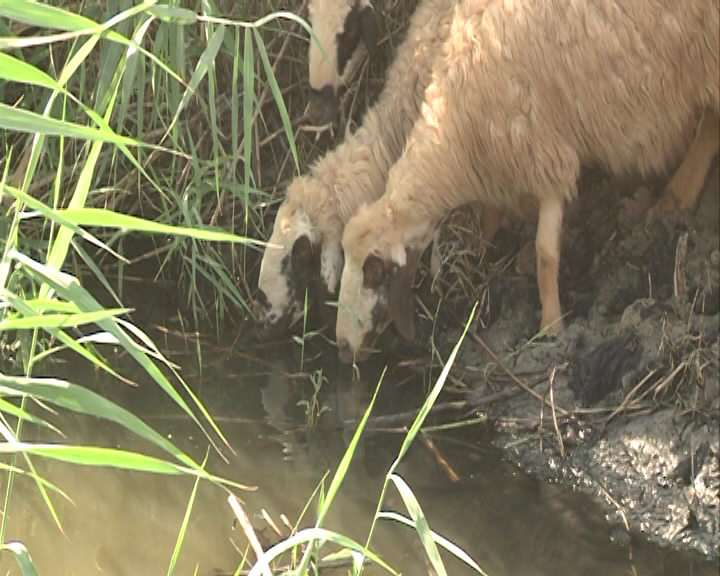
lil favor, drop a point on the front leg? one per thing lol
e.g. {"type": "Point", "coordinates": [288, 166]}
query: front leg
{"type": "Point", "coordinates": [547, 246]}
{"type": "Point", "coordinates": [435, 256]}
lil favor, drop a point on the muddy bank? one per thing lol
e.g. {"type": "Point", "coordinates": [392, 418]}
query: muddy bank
{"type": "Point", "coordinates": [626, 403]}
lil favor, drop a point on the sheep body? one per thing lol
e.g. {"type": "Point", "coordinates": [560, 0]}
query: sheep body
{"type": "Point", "coordinates": [318, 205]}
{"type": "Point", "coordinates": [523, 94]}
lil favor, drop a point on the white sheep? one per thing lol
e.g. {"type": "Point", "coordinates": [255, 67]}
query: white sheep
{"type": "Point", "coordinates": [309, 223]}
{"type": "Point", "coordinates": [523, 94]}
{"type": "Point", "coordinates": [338, 26]}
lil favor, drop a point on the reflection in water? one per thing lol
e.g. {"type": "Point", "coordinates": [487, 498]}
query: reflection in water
{"type": "Point", "coordinates": [123, 523]}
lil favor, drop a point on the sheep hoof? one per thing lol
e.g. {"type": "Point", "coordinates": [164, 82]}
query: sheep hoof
{"type": "Point", "coordinates": [669, 212]}
{"type": "Point", "coordinates": [551, 330]}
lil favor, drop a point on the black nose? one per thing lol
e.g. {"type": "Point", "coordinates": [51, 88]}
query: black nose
{"type": "Point", "coordinates": [324, 105]}
{"type": "Point", "coordinates": [258, 311]}
{"type": "Point", "coordinates": [260, 306]}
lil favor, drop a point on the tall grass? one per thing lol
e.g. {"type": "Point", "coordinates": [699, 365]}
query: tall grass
{"type": "Point", "coordinates": [121, 121]}
{"type": "Point", "coordinates": [95, 98]}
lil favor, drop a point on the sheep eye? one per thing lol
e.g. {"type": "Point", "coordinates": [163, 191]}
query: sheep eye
{"type": "Point", "coordinates": [373, 272]}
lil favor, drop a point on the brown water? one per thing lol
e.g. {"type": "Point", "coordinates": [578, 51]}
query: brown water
{"type": "Point", "coordinates": [123, 523]}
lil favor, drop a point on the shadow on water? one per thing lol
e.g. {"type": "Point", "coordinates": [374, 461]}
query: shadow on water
{"type": "Point", "coordinates": [124, 523]}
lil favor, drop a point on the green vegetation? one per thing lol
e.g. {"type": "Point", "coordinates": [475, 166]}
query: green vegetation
{"type": "Point", "coordinates": [152, 135]}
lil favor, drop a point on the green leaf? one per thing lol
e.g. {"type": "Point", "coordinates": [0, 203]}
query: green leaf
{"type": "Point", "coordinates": [22, 307]}
{"type": "Point", "coordinates": [80, 399]}
{"type": "Point", "coordinates": [173, 14]}
{"type": "Point", "coordinates": [20, 120]}
{"type": "Point", "coordinates": [96, 456]}
{"type": "Point", "coordinates": [279, 100]}
{"type": "Point", "coordinates": [19, 413]}
{"type": "Point", "coordinates": [22, 557]}
{"type": "Point", "coordinates": [110, 219]}
{"type": "Point", "coordinates": [421, 524]}
{"type": "Point", "coordinates": [440, 540]}
{"type": "Point", "coordinates": [60, 320]}
{"type": "Point", "coordinates": [69, 288]}
{"type": "Point", "coordinates": [37, 478]}
{"type": "Point", "coordinates": [313, 535]}
{"type": "Point", "coordinates": [14, 70]}
{"type": "Point", "coordinates": [53, 216]}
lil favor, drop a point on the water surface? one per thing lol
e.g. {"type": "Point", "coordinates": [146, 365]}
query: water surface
{"type": "Point", "coordinates": [125, 523]}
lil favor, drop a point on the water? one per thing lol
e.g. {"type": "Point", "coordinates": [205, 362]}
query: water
{"type": "Point", "coordinates": [125, 523]}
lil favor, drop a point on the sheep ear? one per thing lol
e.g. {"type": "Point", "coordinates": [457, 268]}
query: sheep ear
{"type": "Point", "coordinates": [400, 294]}
{"type": "Point", "coordinates": [368, 27]}
{"type": "Point", "coordinates": [301, 259]}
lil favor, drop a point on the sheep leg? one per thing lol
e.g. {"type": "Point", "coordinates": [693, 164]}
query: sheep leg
{"type": "Point", "coordinates": [547, 247]}
{"type": "Point", "coordinates": [683, 190]}
{"type": "Point", "coordinates": [435, 256]}
{"type": "Point", "coordinates": [491, 222]}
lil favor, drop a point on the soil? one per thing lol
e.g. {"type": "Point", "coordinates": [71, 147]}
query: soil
{"type": "Point", "coordinates": [635, 378]}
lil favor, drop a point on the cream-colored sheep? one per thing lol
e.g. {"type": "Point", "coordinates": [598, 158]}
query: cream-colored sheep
{"type": "Point", "coordinates": [310, 221]}
{"type": "Point", "coordinates": [338, 26]}
{"type": "Point", "coordinates": [524, 92]}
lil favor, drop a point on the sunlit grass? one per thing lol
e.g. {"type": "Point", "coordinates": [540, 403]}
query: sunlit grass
{"type": "Point", "coordinates": [95, 117]}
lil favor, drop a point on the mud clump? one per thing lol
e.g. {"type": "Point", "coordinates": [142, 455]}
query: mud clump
{"type": "Point", "coordinates": [627, 401]}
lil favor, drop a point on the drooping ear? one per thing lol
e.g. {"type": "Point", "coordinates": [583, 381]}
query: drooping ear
{"type": "Point", "coordinates": [331, 265]}
{"type": "Point", "coordinates": [368, 26]}
{"type": "Point", "coordinates": [326, 303]}
{"type": "Point", "coordinates": [400, 294]}
{"type": "Point", "coordinates": [301, 256]}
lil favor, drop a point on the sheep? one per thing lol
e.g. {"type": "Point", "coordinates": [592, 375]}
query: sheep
{"type": "Point", "coordinates": [523, 94]}
{"type": "Point", "coordinates": [338, 26]}
{"type": "Point", "coordinates": [318, 204]}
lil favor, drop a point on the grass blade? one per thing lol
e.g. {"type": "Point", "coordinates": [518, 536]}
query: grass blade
{"type": "Point", "coordinates": [421, 525]}
{"type": "Point", "coordinates": [22, 557]}
{"type": "Point", "coordinates": [60, 320]}
{"type": "Point", "coordinates": [80, 399]}
{"type": "Point", "coordinates": [441, 541]}
{"type": "Point", "coordinates": [310, 535]}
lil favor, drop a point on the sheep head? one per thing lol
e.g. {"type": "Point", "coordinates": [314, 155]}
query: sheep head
{"type": "Point", "coordinates": [296, 259]}
{"type": "Point", "coordinates": [338, 25]}
{"type": "Point", "coordinates": [376, 285]}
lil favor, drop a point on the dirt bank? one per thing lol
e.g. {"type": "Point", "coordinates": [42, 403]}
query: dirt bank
{"type": "Point", "coordinates": [635, 377]}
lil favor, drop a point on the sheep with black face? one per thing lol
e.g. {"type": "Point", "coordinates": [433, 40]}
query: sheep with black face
{"type": "Point", "coordinates": [304, 250]}
{"type": "Point", "coordinates": [346, 30]}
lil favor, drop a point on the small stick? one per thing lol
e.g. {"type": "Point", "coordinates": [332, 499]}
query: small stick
{"type": "Point", "coordinates": [248, 529]}
{"type": "Point", "coordinates": [430, 445]}
{"type": "Point", "coordinates": [552, 406]}
{"type": "Point", "coordinates": [629, 397]}
{"type": "Point", "coordinates": [405, 417]}
{"type": "Point", "coordinates": [271, 523]}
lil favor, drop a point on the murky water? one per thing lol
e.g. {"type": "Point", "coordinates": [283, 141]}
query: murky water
{"type": "Point", "coordinates": [123, 523]}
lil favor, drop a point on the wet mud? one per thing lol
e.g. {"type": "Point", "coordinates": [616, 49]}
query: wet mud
{"type": "Point", "coordinates": [626, 403]}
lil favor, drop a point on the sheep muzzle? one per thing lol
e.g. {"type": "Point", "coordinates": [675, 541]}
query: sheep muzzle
{"type": "Point", "coordinates": [323, 105]}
